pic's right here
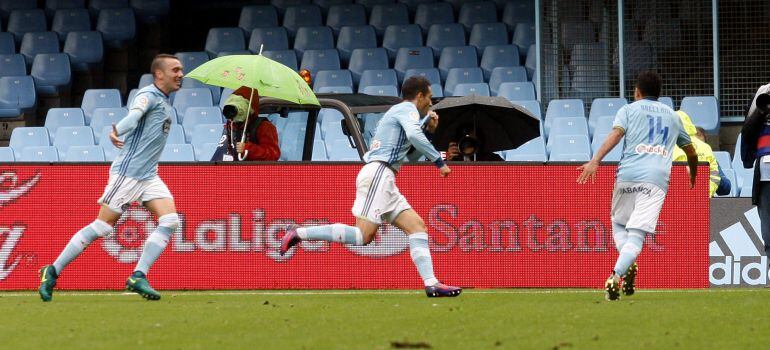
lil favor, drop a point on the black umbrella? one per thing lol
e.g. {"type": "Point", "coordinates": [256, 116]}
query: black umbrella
{"type": "Point", "coordinates": [500, 125]}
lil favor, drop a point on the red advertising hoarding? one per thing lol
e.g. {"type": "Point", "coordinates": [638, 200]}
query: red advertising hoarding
{"type": "Point", "coordinates": [492, 225]}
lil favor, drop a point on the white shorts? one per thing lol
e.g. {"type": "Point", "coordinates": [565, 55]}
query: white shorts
{"type": "Point", "coordinates": [121, 191]}
{"type": "Point", "coordinates": [377, 197]}
{"type": "Point", "coordinates": [636, 205]}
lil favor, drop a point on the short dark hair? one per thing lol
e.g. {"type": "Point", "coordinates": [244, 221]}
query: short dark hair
{"type": "Point", "coordinates": [648, 83]}
{"type": "Point", "coordinates": [157, 62]}
{"type": "Point", "coordinates": [413, 86]}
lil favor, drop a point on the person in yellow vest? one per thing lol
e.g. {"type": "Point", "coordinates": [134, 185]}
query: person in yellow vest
{"type": "Point", "coordinates": [705, 154]}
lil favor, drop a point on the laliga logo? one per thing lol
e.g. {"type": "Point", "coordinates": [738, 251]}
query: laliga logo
{"type": "Point", "coordinates": [125, 244]}
{"type": "Point", "coordinates": [12, 234]}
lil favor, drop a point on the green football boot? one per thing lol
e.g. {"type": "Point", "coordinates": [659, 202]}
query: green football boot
{"type": "Point", "coordinates": [48, 278]}
{"type": "Point", "coordinates": [138, 284]}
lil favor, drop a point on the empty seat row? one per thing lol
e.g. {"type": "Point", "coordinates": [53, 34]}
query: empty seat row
{"type": "Point", "coordinates": [84, 49]}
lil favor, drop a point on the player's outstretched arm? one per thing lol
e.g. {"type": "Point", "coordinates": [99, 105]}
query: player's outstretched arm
{"type": "Point", "coordinates": [692, 162]}
{"type": "Point", "coordinates": [588, 170]}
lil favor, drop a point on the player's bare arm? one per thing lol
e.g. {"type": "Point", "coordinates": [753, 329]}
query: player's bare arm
{"type": "Point", "coordinates": [588, 170]}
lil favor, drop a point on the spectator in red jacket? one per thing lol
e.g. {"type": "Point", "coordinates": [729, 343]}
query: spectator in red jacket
{"type": "Point", "coordinates": [261, 135]}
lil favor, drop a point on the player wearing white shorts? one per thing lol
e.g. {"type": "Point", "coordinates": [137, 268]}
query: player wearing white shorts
{"type": "Point", "coordinates": [133, 178]}
{"type": "Point", "coordinates": [378, 200]}
{"type": "Point", "coordinates": [651, 130]}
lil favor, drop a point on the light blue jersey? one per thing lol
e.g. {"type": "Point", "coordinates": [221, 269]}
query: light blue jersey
{"type": "Point", "coordinates": [146, 129]}
{"type": "Point", "coordinates": [651, 131]}
{"type": "Point", "coordinates": [398, 130]}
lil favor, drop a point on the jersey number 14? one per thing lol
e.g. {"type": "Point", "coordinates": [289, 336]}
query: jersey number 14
{"type": "Point", "coordinates": [656, 127]}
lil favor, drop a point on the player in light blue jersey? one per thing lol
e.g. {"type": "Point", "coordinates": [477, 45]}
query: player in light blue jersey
{"type": "Point", "coordinates": [399, 136]}
{"type": "Point", "coordinates": [651, 130]}
{"type": "Point", "coordinates": [133, 178]}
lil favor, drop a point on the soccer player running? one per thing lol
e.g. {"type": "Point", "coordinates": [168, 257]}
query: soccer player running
{"type": "Point", "coordinates": [133, 178]}
{"type": "Point", "coordinates": [651, 129]}
{"type": "Point", "coordinates": [377, 197]}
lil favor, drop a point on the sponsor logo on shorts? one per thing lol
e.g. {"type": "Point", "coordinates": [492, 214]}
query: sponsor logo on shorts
{"type": "Point", "coordinates": [636, 189]}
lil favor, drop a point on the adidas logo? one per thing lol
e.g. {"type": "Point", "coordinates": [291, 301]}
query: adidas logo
{"type": "Point", "coordinates": [736, 255]}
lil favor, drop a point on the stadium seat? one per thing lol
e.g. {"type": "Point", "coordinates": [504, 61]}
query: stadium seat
{"type": "Point", "coordinates": [481, 89]}
{"type": "Point", "coordinates": [533, 107]}
{"type": "Point", "coordinates": [313, 38]}
{"type": "Point", "coordinates": [367, 59]}
{"type": "Point", "coordinates": [318, 60]}
{"type": "Point", "coordinates": [569, 157]}
{"type": "Point", "coordinates": [175, 135]}
{"type": "Point", "coordinates": [445, 35]}
{"type": "Point", "coordinates": [413, 4]}
{"type": "Point", "coordinates": [130, 97]}
{"type": "Point", "coordinates": [601, 107]}
{"type": "Point", "coordinates": [500, 75]}
{"type": "Point", "coordinates": [8, 6]}
{"type": "Point", "coordinates": [335, 90]}
{"type": "Point", "coordinates": [39, 154]}
{"type": "Point", "coordinates": [150, 11]}
{"type": "Point", "coordinates": [385, 15]}
{"type": "Point", "coordinates": [17, 96]}
{"type": "Point", "coordinates": [105, 117]}
{"type": "Point", "coordinates": [191, 60]}
{"type": "Point", "coordinates": [351, 38]}
{"type": "Point", "coordinates": [340, 150]}
{"type": "Point", "coordinates": [520, 11]}
{"type": "Point", "coordinates": [602, 125]}
{"type": "Point", "coordinates": [258, 16]}
{"type": "Point", "coordinates": [330, 123]}
{"type": "Point", "coordinates": [336, 78]}
{"type": "Point", "coordinates": [202, 134]}
{"type": "Point", "coordinates": [96, 6]}
{"type": "Point", "coordinates": [433, 13]}
{"type": "Point", "coordinates": [117, 26]}
{"type": "Point", "coordinates": [615, 154]}
{"type": "Point", "coordinates": [199, 116]}
{"type": "Point", "coordinates": [413, 58]}
{"type": "Point", "coordinates": [12, 65]}
{"type": "Point", "coordinates": [704, 112]}
{"type": "Point", "coordinates": [282, 5]}
{"type": "Point", "coordinates": [224, 39]}
{"type": "Point", "coordinates": [301, 16]}
{"type": "Point", "coordinates": [530, 62]}
{"type": "Point", "coordinates": [561, 109]}
{"type": "Point", "coordinates": [37, 43]}
{"type": "Point", "coordinates": [7, 44]}
{"type": "Point", "coordinates": [523, 38]}
{"type": "Point", "coordinates": [325, 5]}
{"type": "Point", "coordinates": [7, 155]}
{"type": "Point", "coordinates": [345, 15]}
{"type": "Point", "coordinates": [286, 57]}
{"type": "Point", "coordinates": [70, 20]}
{"type": "Point", "coordinates": [85, 49]}
{"type": "Point", "coordinates": [21, 22]}
{"type": "Point", "coordinates": [457, 57]}
{"type": "Point", "coordinates": [499, 56]}
{"type": "Point", "coordinates": [723, 158]}
{"type": "Point", "coordinates": [534, 147]}
{"type": "Point", "coordinates": [51, 73]}
{"type": "Point", "coordinates": [462, 76]}
{"type": "Point", "coordinates": [398, 36]}
{"type": "Point", "coordinates": [472, 13]}
{"type": "Point", "coordinates": [383, 90]}
{"type": "Point", "coordinates": [186, 98]}
{"type": "Point", "coordinates": [376, 77]}
{"type": "Point", "coordinates": [370, 4]}
{"type": "Point", "coordinates": [216, 91]}
{"type": "Point", "coordinates": [204, 152]}
{"type": "Point", "coordinates": [433, 77]}
{"type": "Point", "coordinates": [517, 91]}
{"type": "Point", "coordinates": [268, 39]}
{"type": "Point", "coordinates": [177, 153]}
{"type": "Point", "coordinates": [668, 101]}
{"type": "Point", "coordinates": [568, 144]}
{"type": "Point", "coordinates": [23, 137]}
{"type": "Point", "coordinates": [99, 98]}
{"type": "Point", "coordinates": [568, 126]}
{"type": "Point", "coordinates": [84, 154]}
{"type": "Point", "coordinates": [67, 136]}
{"type": "Point", "coordinates": [59, 117]}
{"type": "Point", "coordinates": [319, 151]}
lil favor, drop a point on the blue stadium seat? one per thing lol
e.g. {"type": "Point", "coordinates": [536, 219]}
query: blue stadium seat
{"type": "Point", "coordinates": [704, 112]}
{"type": "Point", "coordinates": [191, 60]}
{"type": "Point", "coordinates": [340, 150]}
{"type": "Point", "coordinates": [177, 153]}
{"type": "Point", "coordinates": [225, 94]}
{"type": "Point", "coordinates": [117, 26]}
{"type": "Point", "coordinates": [85, 49]}
{"type": "Point", "coordinates": [568, 144]}
{"type": "Point", "coordinates": [51, 73]}
{"type": "Point", "coordinates": [412, 58]}
{"type": "Point", "coordinates": [335, 90]}
{"type": "Point", "coordinates": [325, 5]}
{"type": "Point", "coordinates": [7, 155]}
{"type": "Point", "coordinates": [413, 4]}
{"type": "Point", "coordinates": [457, 57]}
{"type": "Point", "coordinates": [224, 39]}
{"type": "Point", "coordinates": [530, 62]}
{"type": "Point", "coordinates": [7, 45]}
{"type": "Point", "coordinates": [319, 151]}
{"type": "Point", "coordinates": [498, 56]}
{"type": "Point", "coordinates": [37, 43]}
{"type": "Point", "coordinates": [569, 157]}
{"type": "Point", "coordinates": [151, 11]}
{"type": "Point", "coordinates": [301, 16]}
{"type": "Point", "coordinates": [313, 38]}
{"type": "Point", "coordinates": [12, 65]}
{"type": "Point", "coordinates": [23, 137]}
{"type": "Point", "coordinates": [198, 116]}
{"type": "Point", "coordinates": [502, 75]}
{"type": "Point", "coordinates": [351, 38]}
{"type": "Point", "coordinates": [590, 82]}
{"type": "Point", "coordinates": [520, 91]}
{"type": "Point", "coordinates": [67, 136]}
{"type": "Point", "coordinates": [601, 126]}
{"type": "Point", "coordinates": [318, 60]}
{"type": "Point", "coordinates": [462, 76]}
{"type": "Point", "coordinates": [615, 154]}
{"type": "Point", "coordinates": [531, 151]}
{"type": "Point", "coordinates": [465, 89]}
{"type": "Point", "coordinates": [17, 96]}
{"type": "Point", "coordinates": [147, 79]}
{"type": "Point", "coordinates": [202, 134]}
{"type": "Point", "coordinates": [533, 107]}
{"type": "Point", "coordinates": [523, 38]}
{"type": "Point", "coordinates": [268, 39]}
{"type": "Point", "coordinates": [433, 13]}
{"type": "Point", "coordinates": [105, 117]}
{"type": "Point", "coordinates": [568, 126]}
{"type": "Point", "coordinates": [95, 6]}
{"type": "Point", "coordinates": [84, 154]}
{"type": "Point", "coordinates": [282, 5]}
{"type": "Point", "coordinates": [398, 36]}
{"type": "Point", "coordinates": [519, 11]}
{"type": "Point", "coordinates": [204, 152]}
{"type": "Point", "coordinates": [383, 90]}
{"type": "Point", "coordinates": [21, 22]}
{"type": "Point", "coordinates": [370, 4]}
{"type": "Point", "coordinates": [70, 20]}
{"type": "Point", "coordinates": [345, 15]}
{"type": "Point", "coordinates": [385, 15]}
{"type": "Point", "coordinates": [99, 98]}
{"type": "Point", "coordinates": [286, 57]}
{"type": "Point", "coordinates": [445, 35]}
{"type": "Point", "coordinates": [330, 123]}
{"type": "Point", "coordinates": [563, 108]}
{"type": "Point", "coordinates": [216, 91]}
{"type": "Point", "coordinates": [175, 135]}
{"type": "Point", "coordinates": [433, 77]}
{"type": "Point", "coordinates": [7, 6]}
{"type": "Point", "coordinates": [58, 117]}
{"type": "Point", "coordinates": [186, 98]}
{"type": "Point", "coordinates": [336, 78]}
{"type": "Point", "coordinates": [377, 77]}
{"type": "Point", "coordinates": [473, 13]}
{"type": "Point", "coordinates": [110, 151]}
{"type": "Point", "coordinates": [723, 158]}
{"type": "Point", "coordinates": [668, 101]}
{"type": "Point", "coordinates": [604, 107]}
{"type": "Point", "coordinates": [367, 59]}
{"type": "Point", "coordinates": [39, 154]}
{"type": "Point", "coordinates": [488, 34]}
{"type": "Point", "coordinates": [258, 16]}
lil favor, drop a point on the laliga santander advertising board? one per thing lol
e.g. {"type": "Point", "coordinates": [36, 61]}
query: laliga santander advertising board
{"type": "Point", "coordinates": [496, 225]}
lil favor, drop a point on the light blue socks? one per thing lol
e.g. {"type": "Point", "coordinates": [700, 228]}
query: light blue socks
{"type": "Point", "coordinates": [420, 253]}
{"type": "Point", "coordinates": [332, 233]}
{"type": "Point", "coordinates": [157, 241]}
{"type": "Point", "coordinates": [630, 251]}
{"type": "Point", "coordinates": [80, 241]}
